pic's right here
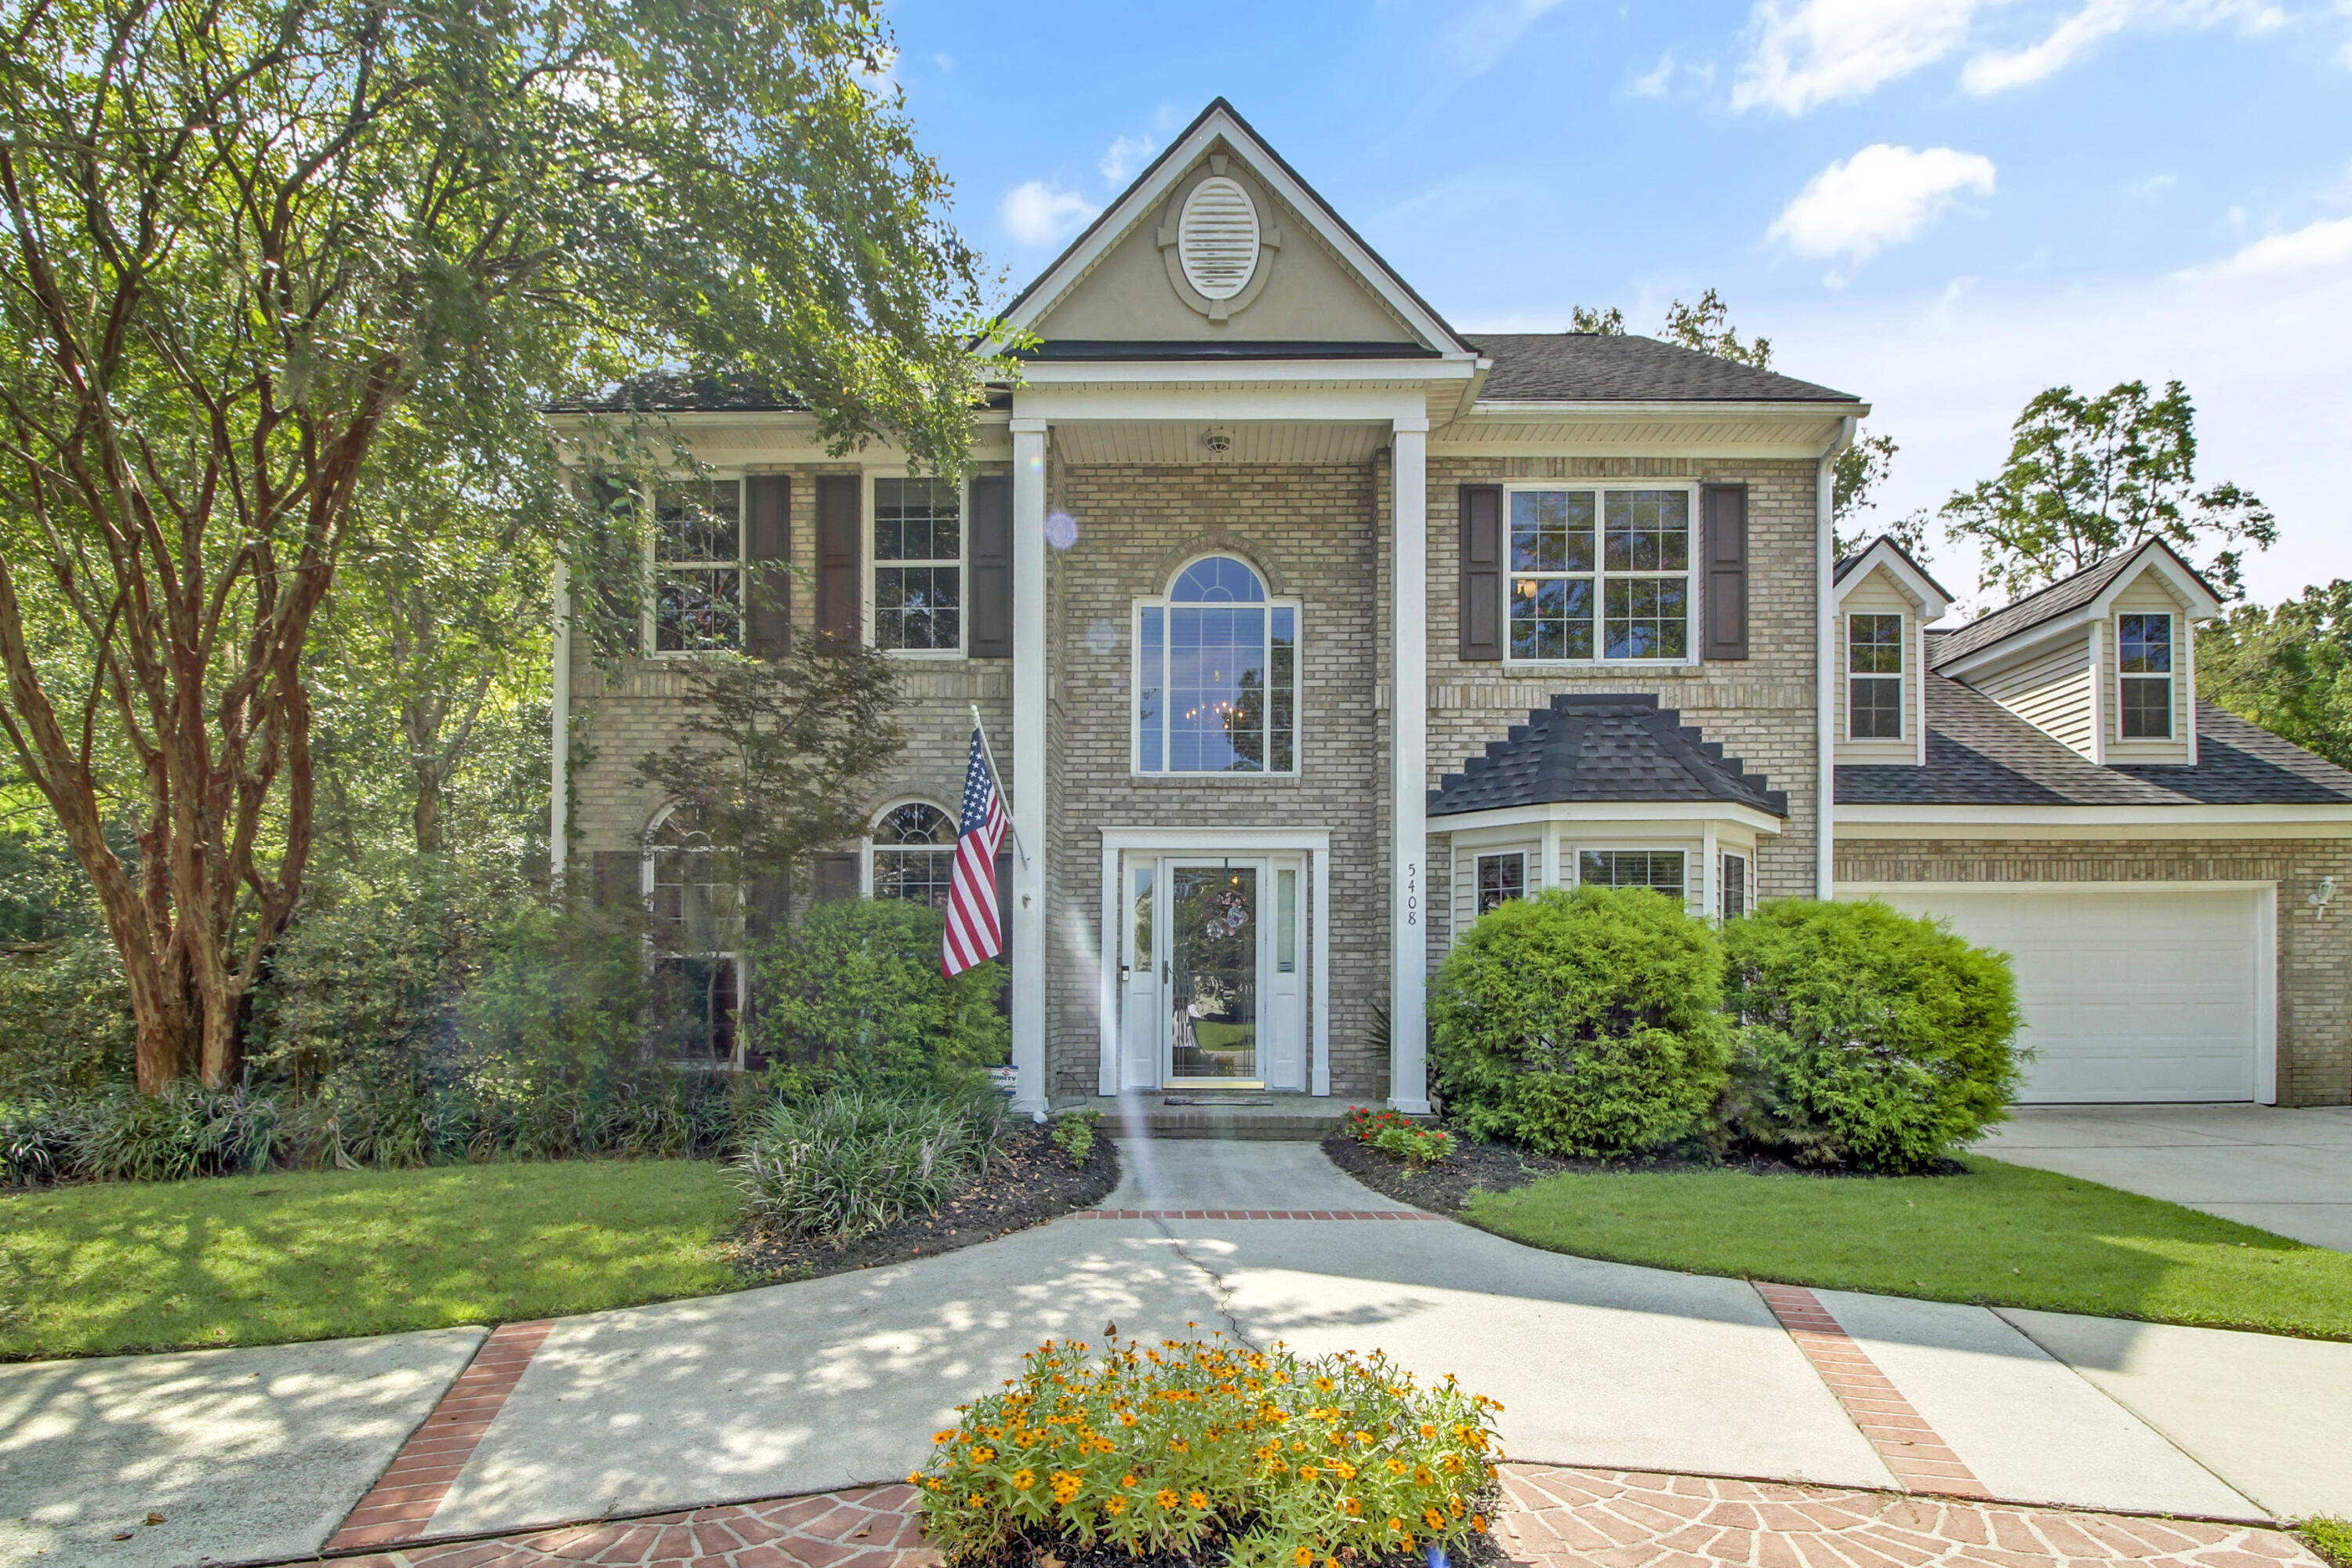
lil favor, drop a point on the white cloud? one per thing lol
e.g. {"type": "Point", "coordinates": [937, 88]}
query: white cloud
{"type": "Point", "coordinates": [1126, 155]}
{"type": "Point", "coordinates": [1653, 82]}
{"type": "Point", "coordinates": [2315, 247]}
{"type": "Point", "coordinates": [1880, 196]}
{"type": "Point", "coordinates": [1829, 51]}
{"type": "Point", "coordinates": [1482, 34]}
{"type": "Point", "coordinates": [1998, 70]}
{"type": "Point", "coordinates": [1035, 213]}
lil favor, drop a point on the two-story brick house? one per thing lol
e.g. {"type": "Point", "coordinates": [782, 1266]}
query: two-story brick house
{"type": "Point", "coordinates": [1306, 625]}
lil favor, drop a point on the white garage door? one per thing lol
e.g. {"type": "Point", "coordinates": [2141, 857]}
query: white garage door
{"type": "Point", "coordinates": [2128, 994]}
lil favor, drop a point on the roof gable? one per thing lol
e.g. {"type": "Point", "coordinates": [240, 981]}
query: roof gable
{"type": "Point", "coordinates": [1883, 555]}
{"type": "Point", "coordinates": [2083, 597]}
{"type": "Point", "coordinates": [1122, 288]}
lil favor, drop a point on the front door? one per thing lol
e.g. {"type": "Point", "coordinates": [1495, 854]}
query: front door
{"type": "Point", "coordinates": [1213, 992]}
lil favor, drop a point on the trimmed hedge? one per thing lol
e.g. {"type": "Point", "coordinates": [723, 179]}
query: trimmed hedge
{"type": "Point", "coordinates": [1585, 1023]}
{"type": "Point", "coordinates": [1867, 1038]}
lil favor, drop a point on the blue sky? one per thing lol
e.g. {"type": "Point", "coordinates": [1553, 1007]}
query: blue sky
{"type": "Point", "coordinates": [1943, 205]}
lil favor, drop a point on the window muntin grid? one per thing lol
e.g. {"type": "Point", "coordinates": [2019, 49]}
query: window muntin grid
{"type": "Point", "coordinates": [1600, 572]}
{"type": "Point", "coordinates": [2144, 663]}
{"type": "Point", "coordinates": [1735, 886]}
{"type": "Point", "coordinates": [1874, 662]}
{"type": "Point", "coordinates": [1661, 869]}
{"type": "Point", "coordinates": [918, 565]}
{"type": "Point", "coordinates": [698, 566]}
{"type": "Point", "coordinates": [914, 855]}
{"type": "Point", "coordinates": [1216, 683]}
{"type": "Point", "coordinates": [1501, 877]}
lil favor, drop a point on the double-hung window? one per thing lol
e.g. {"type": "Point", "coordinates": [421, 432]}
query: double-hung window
{"type": "Point", "coordinates": [1501, 878]}
{"type": "Point", "coordinates": [1661, 871]}
{"type": "Point", "coordinates": [1873, 680]}
{"type": "Point", "coordinates": [693, 891]}
{"type": "Point", "coordinates": [1216, 677]}
{"type": "Point", "coordinates": [2144, 667]}
{"type": "Point", "coordinates": [918, 565]}
{"type": "Point", "coordinates": [696, 560]}
{"type": "Point", "coordinates": [1600, 574]}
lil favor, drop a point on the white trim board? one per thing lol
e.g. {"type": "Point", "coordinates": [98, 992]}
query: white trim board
{"type": "Point", "coordinates": [1862, 822]}
{"type": "Point", "coordinates": [1590, 811]}
{"type": "Point", "coordinates": [1314, 842]}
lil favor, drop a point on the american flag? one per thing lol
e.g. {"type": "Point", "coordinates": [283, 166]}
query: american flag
{"type": "Point", "coordinates": [974, 933]}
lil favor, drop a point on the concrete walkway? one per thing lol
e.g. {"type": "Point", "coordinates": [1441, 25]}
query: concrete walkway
{"type": "Point", "coordinates": [2289, 1172]}
{"type": "Point", "coordinates": [833, 1382]}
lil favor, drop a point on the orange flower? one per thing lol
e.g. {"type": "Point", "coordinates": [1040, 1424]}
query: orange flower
{"type": "Point", "coordinates": [1304, 1557]}
{"type": "Point", "coordinates": [1165, 1497]}
{"type": "Point", "coordinates": [1422, 1475]}
{"type": "Point", "coordinates": [975, 1499]}
{"type": "Point", "coordinates": [947, 1436]}
{"type": "Point", "coordinates": [1116, 1507]}
{"type": "Point", "coordinates": [1308, 1472]}
{"type": "Point", "coordinates": [1428, 1432]}
{"type": "Point", "coordinates": [1197, 1497]}
{"type": "Point", "coordinates": [1024, 1480]}
{"type": "Point", "coordinates": [1478, 1522]}
{"type": "Point", "coordinates": [1434, 1520]}
{"type": "Point", "coordinates": [1129, 1480]}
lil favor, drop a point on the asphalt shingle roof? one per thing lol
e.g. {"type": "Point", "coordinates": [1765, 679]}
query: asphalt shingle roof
{"type": "Point", "coordinates": [665, 392]}
{"type": "Point", "coordinates": [1611, 367]}
{"type": "Point", "coordinates": [1979, 753]}
{"type": "Point", "coordinates": [1602, 748]}
{"type": "Point", "coordinates": [2046, 604]}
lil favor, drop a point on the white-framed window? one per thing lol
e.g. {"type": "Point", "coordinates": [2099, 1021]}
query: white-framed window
{"type": "Point", "coordinates": [2144, 672]}
{"type": "Point", "coordinates": [1216, 674]}
{"type": "Point", "coordinates": [694, 565]}
{"type": "Point", "coordinates": [1501, 878]}
{"type": "Point", "coordinates": [915, 571]}
{"type": "Point", "coordinates": [1601, 573]}
{"type": "Point", "coordinates": [1874, 679]}
{"type": "Point", "coordinates": [1735, 886]}
{"type": "Point", "coordinates": [913, 854]}
{"type": "Point", "coordinates": [695, 895]}
{"type": "Point", "coordinates": [1660, 869]}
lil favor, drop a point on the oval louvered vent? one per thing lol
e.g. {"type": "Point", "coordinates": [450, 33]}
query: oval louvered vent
{"type": "Point", "coordinates": [1217, 238]}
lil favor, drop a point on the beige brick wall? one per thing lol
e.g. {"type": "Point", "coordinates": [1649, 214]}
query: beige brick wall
{"type": "Point", "coordinates": [2314, 955]}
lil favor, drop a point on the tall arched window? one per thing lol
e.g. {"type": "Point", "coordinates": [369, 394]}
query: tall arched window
{"type": "Point", "coordinates": [1216, 682]}
{"type": "Point", "coordinates": [914, 854]}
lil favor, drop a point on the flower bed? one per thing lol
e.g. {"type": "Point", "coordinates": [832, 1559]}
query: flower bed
{"type": "Point", "coordinates": [1207, 1450]}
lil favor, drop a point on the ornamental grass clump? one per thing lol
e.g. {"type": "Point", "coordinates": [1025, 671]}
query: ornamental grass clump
{"type": "Point", "coordinates": [848, 1163]}
{"type": "Point", "coordinates": [1277, 1461]}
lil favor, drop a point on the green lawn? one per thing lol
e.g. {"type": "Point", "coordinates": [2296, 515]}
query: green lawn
{"type": "Point", "coordinates": [2001, 1234]}
{"type": "Point", "coordinates": [261, 1259]}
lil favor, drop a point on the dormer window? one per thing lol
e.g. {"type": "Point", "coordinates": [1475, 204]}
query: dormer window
{"type": "Point", "coordinates": [2144, 666]}
{"type": "Point", "coordinates": [1874, 662]}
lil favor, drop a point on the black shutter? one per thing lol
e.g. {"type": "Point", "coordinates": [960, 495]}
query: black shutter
{"type": "Point", "coordinates": [1480, 612]}
{"type": "Point", "coordinates": [988, 602]}
{"type": "Point", "coordinates": [620, 878]}
{"type": "Point", "coordinates": [1724, 509]}
{"type": "Point", "coordinates": [768, 546]}
{"type": "Point", "coordinates": [840, 596]}
{"type": "Point", "coordinates": [837, 877]}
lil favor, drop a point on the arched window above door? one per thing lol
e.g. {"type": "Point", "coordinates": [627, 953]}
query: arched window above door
{"type": "Point", "coordinates": [1216, 679]}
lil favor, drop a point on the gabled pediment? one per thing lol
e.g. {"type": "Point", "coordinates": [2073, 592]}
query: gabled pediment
{"type": "Point", "coordinates": [1220, 247]}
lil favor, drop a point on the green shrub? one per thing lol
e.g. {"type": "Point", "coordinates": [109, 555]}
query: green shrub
{"type": "Point", "coordinates": [1203, 1450]}
{"type": "Point", "coordinates": [1582, 1024]}
{"type": "Point", "coordinates": [186, 1130]}
{"type": "Point", "coordinates": [1417, 1146]}
{"type": "Point", "coordinates": [851, 993]}
{"type": "Point", "coordinates": [1074, 1135]}
{"type": "Point", "coordinates": [64, 1019]}
{"type": "Point", "coordinates": [1363, 1121]}
{"type": "Point", "coordinates": [850, 1160]}
{"type": "Point", "coordinates": [1868, 1037]}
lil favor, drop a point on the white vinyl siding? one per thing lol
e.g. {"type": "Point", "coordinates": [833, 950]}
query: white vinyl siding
{"type": "Point", "coordinates": [1465, 876]}
{"type": "Point", "coordinates": [1877, 595]}
{"type": "Point", "coordinates": [2051, 690]}
{"type": "Point", "coordinates": [2147, 596]}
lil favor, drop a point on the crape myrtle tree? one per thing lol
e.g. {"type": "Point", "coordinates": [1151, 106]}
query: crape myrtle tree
{"type": "Point", "coordinates": [243, 236]}
{"type": "Point", "coordinates": [2089, 477]}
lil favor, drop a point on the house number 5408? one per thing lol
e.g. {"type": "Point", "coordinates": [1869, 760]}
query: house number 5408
{"type": "Point", "coordinates": [1412, 892]}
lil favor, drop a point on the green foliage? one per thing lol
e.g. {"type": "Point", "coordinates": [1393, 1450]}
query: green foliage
{"type": "Point", "coordinates": [851, 993]}
{"type": "Point", "coordinates": [64, 1019]}
{"type": "Point", "coordinates": [1417, 1146]}
{"type": "Point", "coordinates": [1074, 1135]}
{"type": "Point", "coordinates": [1204, 1450]}
{"type": "Point", "coordinates": [1867, 1038]}
{"type": "Point", "coordinates": [1859, 471]}
{"type": "Point", "coordinates": [2088, 478]}
{"type": "Point", "coordinates": [2288, 668]}
{"type": "Point", "coordinates": [850, 1161]}
{"type": "Point", "coordinates": [1582, 1024]}
{"type": "Point", "coordinates": [1363, 1121]}
{"type": "Point", "coordinates": [2331, 1538]}
{"type": "Point", "coordinates": [1705, 327]}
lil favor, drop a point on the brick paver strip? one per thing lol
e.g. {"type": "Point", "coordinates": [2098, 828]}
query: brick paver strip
{"type": "Point", "coordinates": [401, 1504]}
{"type": "Point", "coordinates": [1253, 1214]}
{"type": "Point", "coordinates": [1921, 1460]}
{"type": "Point", "coordinates": [1552, 1517]}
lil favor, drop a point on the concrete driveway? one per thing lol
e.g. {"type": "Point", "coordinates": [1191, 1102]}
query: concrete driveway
{"type": "Point", "coordinates": [2288, 1172]}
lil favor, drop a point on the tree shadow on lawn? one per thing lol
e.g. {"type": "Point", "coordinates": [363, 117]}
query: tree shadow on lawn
{"type": "Point", "coordinates": [302, 1255]}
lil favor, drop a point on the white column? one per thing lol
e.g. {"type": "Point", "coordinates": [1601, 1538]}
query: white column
{"type": "Point", "coordinates": [559, 759]}
{"type": "Point", "coordinates": [1028, 781]}
{"type": "Point", "coordinates": [1409, 764]}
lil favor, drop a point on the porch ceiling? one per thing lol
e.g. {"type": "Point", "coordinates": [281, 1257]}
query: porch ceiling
{"type": "Point", "coordinates": [1087, 442]}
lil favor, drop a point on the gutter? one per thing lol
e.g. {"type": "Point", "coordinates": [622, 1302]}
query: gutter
{"type": "Point", "coordinates": [1824, 660]}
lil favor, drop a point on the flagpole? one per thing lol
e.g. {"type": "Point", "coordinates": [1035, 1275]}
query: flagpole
{"type": "Point", "coordinates": [989, 752]}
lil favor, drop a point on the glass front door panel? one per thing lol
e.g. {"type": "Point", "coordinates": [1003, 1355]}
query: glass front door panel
{"type": "Point", "coordinates": [1212, 981]}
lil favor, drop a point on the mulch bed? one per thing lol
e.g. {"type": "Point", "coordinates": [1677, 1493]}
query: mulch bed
{"type": "Point", "coordinates": [1445, 1187]}
{"type": "Point", "coordinates": [1030, 1182]}
{"type": "Point", "coordinates": [1042, 1550]}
